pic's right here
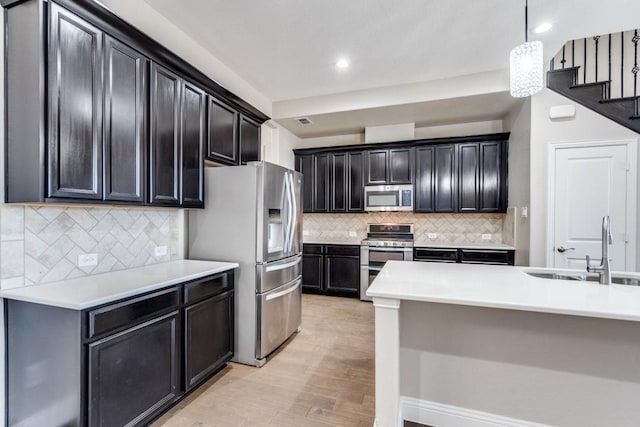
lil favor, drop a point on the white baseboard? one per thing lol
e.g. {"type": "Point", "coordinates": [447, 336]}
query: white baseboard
{"type": "Point", "coordinates": [441, 415]}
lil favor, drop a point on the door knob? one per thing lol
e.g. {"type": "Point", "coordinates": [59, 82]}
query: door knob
{"type": "Point", "coordinates": [562, 249]}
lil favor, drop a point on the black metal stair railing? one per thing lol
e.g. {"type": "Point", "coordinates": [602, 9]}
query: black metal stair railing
{"type": "Point", "coordinates": [581, 64]}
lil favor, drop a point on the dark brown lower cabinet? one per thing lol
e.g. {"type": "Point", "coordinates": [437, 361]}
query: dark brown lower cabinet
{"type": "Point", "coordinates": [331, 270]}
{"type": "Point", "coordinates": [465, 256]}
{"type": "Point", "coordinates": [208, 337]}
{"type": "Point", "coordinates": [120, 364]}
{"type": "Point", "coordinates": [134, 374]}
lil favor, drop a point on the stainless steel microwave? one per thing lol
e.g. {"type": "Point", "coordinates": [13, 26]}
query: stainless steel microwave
{"type": "Point", "coordinates": [388, 198]}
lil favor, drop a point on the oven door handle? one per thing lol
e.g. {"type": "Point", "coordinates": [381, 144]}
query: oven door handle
{"type": "Point", "coordinates": [385, 249]}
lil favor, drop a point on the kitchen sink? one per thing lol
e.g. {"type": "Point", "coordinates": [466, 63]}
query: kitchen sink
{"type": "Point", "coordinates": [618, 280]}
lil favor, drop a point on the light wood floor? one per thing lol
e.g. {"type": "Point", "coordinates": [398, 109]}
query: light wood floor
{"type": "Point", "coordinates": [324, 376]}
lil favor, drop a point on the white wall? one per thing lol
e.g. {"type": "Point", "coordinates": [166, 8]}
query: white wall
{"type": "Point", "coordinates": [278, 144]}
{"type": "Point", "coordinates": [519, 124]}
{"type": "Point", "coordinates": [586, 126]}
{"type": "Point", "coordinates": [141, 15]}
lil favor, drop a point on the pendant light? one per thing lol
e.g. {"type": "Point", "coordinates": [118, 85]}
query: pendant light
{"type": "Point", "coordinates": [526, 64]}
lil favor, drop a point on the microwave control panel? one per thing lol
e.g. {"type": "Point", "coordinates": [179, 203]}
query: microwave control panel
{"type": "Point", "coordinates": [406, 198]}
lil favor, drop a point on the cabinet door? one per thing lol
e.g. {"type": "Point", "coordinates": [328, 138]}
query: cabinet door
{"type": "Point", "coordinates": [445, 178]}
{"type": "Point", "coordinates": [75, 107]}
{"type": "Point", "coordinates": [222, 144]}
{"type": "Point", "coordinates": [355, 163]}
{"type": "Point", "coordinates": [125, 119]}
{"type": "Point", "coordinates": [321, 183]}
{"type": "Point", "coordinates": [338, 182]}
{"type": "Point", "coordinates": [490, 177]}
{"type": "Point", "coordinates": [400, 166]}
{"type": "Point", "coordinates": [192, 146]}
{"type": "Point", "coordinates": [133, 375]}
{"type": "Point", "coordinates": [312, 268]}
{"type": "Point", "coordinates": [468, 180]}
{"type": "Point", "coordinates": [425, 182]}
{"type": "Point", "coordinates": [342, 274]}
{"type": "Point", "coordinates": [377, 166]}
{"type": "Point", "coordinates": [165, 137]}
{"type": "Point", "coordinates": [249, 141]}
{"type": "Point", "coordinates": [208, 337]}
{"type": "Point", "coordinates": [307, 163]}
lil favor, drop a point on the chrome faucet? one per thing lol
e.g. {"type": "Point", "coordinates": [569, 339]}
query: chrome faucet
{"type": "Point", "coordinates": [604, 269]}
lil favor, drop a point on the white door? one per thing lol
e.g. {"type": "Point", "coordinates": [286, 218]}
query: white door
{"type": "Point", "coordinates": [590, 182]}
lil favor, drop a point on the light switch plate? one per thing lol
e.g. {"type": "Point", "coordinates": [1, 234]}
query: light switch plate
{"type": "Point", "coordinates": [87, 260]}
{"type": "Point", "coordinates": [160, 251]}
{"type": "Point", "coordinates": [486, 237]}
{"type": "Point", "coordinates": [432, 235]}
{"type": "Point", "coordinates": [524, 213]}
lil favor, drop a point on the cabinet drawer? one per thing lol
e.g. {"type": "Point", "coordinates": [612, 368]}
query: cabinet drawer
{"type": "Point", "coordinates": [342, 250]}
{"type": "Point", "coordinates": [486, 256]}
{"type": "Point", "coordinates": [116, 316]}
{"type": "Point", "coordinates": [435, 254]}
{"type": "Point", "coordinates": [311, 249]}
{"type": "Point", "coordinates": [206, 287]}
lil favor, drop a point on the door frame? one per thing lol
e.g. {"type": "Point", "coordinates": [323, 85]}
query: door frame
{"type": "Point", "coordinates": [631, 145]}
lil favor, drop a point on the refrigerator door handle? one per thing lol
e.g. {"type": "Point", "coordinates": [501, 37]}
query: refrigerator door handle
{"type": "Point", "coordinates": [283, 266]}
{"type": "Point", "coordinates": [290, 213]}
{"type": "Point", "coordinates": [285, 243]}
{"type": "Point", "coordinates": [294, 210]}
{"type": "Point", "coordinates": [285, 292]}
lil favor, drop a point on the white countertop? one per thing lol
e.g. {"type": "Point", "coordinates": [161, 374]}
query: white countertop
{"type": "Point", "coordinates": [90, 291]}
{"type": "Point", "coordinates": [505, 287]}
{"type": "Point", "coordinates": [429, 244]}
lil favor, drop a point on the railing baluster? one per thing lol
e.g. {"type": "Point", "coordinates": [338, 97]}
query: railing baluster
{"type": "Point", "coordinates": [635, 68]}
{"type": "Point", "coordinates": [622, 64]}
{"type": "Point", "coordinates": [584, 71]}
{"type": "Point", "coordinates": [596, 39]}
{"type": "Point", "coordinates": [563, 57]}
{"type": "Point", "coordinates": [573, 53]}
{"type": "Point", "coordinates": [609, 94]}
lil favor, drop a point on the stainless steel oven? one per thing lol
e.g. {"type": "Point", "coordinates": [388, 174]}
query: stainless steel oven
{"type": "Point", "coordinates": [386, 242]}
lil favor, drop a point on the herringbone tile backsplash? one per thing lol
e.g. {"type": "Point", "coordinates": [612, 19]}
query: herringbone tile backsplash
{"type": "Point", "coordinates": [40, 244]}
{"type": "Point", "coordinates": [448, 228]}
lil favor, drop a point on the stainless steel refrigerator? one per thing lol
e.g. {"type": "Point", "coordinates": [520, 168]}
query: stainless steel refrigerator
{"type": "Point", "coordinates": [253, 216]}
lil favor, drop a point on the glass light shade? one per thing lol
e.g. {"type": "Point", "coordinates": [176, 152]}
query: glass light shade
{"type": "Point", "coordinates": [526, 64]}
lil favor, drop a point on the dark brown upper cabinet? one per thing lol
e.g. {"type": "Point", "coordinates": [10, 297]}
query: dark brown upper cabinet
{"type": "Point", "coordinates": [355, 183]}
{"type": "Point", "coordinates": [81, 124]}
{"type": "Point", "coordinates": [222, 135]}
{"type": "Point", "coordinates": [481, 177]}
{"type": "Point", "coordinates": [192, 147]}
{"type": "Point", "coordinates": [164, 151]}
{"type": "Point", "coordinates": [390, 166]}
{"type": "Point", "coordinates": [338, 182]}
{"type": "Point", "coordinates": [435, 184]}
{"type": "Point", "coordinates": [249, 137]}
{"type": "Point", "coordinates": [321, 183]}
{"type": "Point", "coordinates": [75, 100]}
{"type": "Point", "coordinates": [125, 122]}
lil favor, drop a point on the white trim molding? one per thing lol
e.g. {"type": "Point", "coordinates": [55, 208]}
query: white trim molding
{"type": "Point", "coordinates": [439, 414]}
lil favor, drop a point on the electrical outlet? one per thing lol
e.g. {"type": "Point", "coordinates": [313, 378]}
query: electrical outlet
{"type": "Point", "coordinates": [305, 232]}
{"type": "Point", "coordinates": [486, 237]}
{"type": "Point", "coordinates": [87, 260]}
{"type": "Point", "coordinates": [352, 234]}
{"type": "Point", "coordinates": [432, 235]}
{"type": "Point", "coordinates": [160, 251]}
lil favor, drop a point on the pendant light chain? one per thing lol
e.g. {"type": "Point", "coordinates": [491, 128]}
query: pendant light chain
{"type": "Point", "coordinates": [526, 21]}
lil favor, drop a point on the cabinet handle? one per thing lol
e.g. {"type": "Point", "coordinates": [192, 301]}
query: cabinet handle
{"type": "Point", "coordinates": [283, 266]}
{"type": "Point", "coordinates": [285, 292]}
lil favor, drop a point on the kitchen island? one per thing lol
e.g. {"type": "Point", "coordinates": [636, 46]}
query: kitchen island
{"type": "Point", "coordinates": [471, 345]}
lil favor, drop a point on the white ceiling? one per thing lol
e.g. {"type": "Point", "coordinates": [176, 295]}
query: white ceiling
{"type": "Point", "coordinates": [286, 49]}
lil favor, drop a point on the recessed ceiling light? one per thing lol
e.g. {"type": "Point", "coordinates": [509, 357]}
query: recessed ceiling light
{"type": "Point", "coordinates": [342, 63]}
{"type": "Point", "coordinates": [542, 28]}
